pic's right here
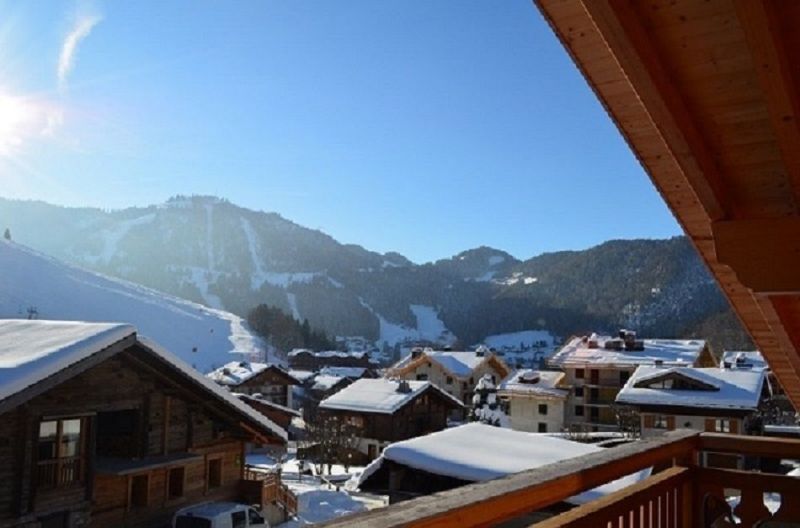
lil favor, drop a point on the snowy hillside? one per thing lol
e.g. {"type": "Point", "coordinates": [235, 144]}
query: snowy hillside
{"type": "Point", "coordinates": [203, 337]}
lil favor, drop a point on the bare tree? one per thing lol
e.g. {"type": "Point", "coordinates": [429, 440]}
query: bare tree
{"type": "Point", "coordinates": [330, 440]}
{"type": "Point", "coordinates": [628, 419]}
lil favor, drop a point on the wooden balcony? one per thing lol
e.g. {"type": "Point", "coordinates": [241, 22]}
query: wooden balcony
{"type": "Point", "coordinates": [687, 488]}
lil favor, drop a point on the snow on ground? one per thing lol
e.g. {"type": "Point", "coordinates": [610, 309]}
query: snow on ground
{"type": "Point", "coordinates": [319, 501]}
{"type": "Point", "coordinates": [112, 237]}
{"type": "Point", "coordinates": [494, 260]}
{"type": "Point", "coordinates": [292, 298]}
{"type": "Point", "coordinates": [257, 278]}
{"type": "Point", "coordinates": [201, 336]}
{"type": "Point", "coordinates": [428, 328]}
{"type": "Point", "coordinates": [199, 277]}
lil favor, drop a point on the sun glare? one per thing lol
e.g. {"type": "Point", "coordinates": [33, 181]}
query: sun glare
{"type": "Point", "coordinates": [17, 117]}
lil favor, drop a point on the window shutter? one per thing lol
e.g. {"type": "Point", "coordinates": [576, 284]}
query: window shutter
{"type": "Point", "coordinates": [670, 423]}
{"type": "Point", "coordinates": [710, 425]}
{"type": "Point", "coordinates": [649, 421]}
{"type": "Point", "coordinates": [734, 426]}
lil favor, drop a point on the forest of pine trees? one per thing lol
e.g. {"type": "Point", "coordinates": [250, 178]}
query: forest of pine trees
{"type": "Point", "coordinates": [284, 332]}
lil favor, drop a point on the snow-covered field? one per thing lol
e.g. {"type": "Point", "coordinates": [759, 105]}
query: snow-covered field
{"type": "Point", "coordinates": [522, 349]}
{"type": "Point", "coordinates": [203, 337]}
{"type": "Point", "coordinates": [429, 327]}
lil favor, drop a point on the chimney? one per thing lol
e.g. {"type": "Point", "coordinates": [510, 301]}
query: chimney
{"type": "Point", "coordinates": [403, 386]}
{"type": "Point", "coordinates": [481, 351]}
{"type": "Point", "coordinates": [659, 362]}
{"type": "Point", "coordinates": [416, 353]}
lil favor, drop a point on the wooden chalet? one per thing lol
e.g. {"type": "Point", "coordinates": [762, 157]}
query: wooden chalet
{"type": "Point", "coordinates": [386, 410]}
{"type": "Point", "coordinates": [455, 372]}
{"type": "Point", "coordinates": [103, 428]}
{"type": "Point", "coordinates": [707, 95]}
{"type": "Point", "coordinates": [721, 400]}
{"type": "Point", "coordinates": [276, 413]}
{"type": "Point", "coordinates": [272, 382]}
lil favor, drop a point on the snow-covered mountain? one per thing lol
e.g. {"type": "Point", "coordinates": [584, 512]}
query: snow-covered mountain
{"type": "Point", "coordinates": [33, 284]}
{"type": "Point", "coordinates": [213, 252]}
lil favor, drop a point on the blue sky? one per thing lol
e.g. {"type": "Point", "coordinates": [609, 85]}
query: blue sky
{"type": "Point", "coordinates": [424, 127]}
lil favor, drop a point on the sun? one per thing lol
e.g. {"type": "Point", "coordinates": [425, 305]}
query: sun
{"type": "Point", "coordinates": [17, 120]}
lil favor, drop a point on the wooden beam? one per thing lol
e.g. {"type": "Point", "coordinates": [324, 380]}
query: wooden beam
{"type": "Point", "coordinates": [760, 446]}
{"type": "Point", "coordinates": [165, 431]}
{"type": "Point", "coordinates": [488, 503]}
{"type": "Point", "coordinates": [618, 23]}
{"type": "Point", "coordinates": [764, 254]}
{"type": "Point", "coordinates": [761, 26]}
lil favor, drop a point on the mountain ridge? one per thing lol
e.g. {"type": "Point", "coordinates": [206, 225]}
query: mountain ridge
{"type": "Point", "coordinates": [210, 250]}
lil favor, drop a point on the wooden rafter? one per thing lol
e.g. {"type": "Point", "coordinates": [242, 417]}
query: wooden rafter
{"type": "Point", "coordinates": [759, 22]}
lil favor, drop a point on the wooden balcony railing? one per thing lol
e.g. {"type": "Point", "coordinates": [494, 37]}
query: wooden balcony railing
{"type": "Point", "coordinates": [683, 490]}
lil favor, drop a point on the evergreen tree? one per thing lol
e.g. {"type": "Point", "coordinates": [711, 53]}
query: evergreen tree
{"type": "Point", "coordinates": [7, 234]}
{"type": "Point", "coordinates": [486, 407]}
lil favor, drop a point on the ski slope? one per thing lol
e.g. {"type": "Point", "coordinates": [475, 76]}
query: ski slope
{"type": "Point", "coordinates": [203, 337]}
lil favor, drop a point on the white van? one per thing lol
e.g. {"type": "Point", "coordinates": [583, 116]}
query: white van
{"type": "Point", "coordinates": [219, 515]}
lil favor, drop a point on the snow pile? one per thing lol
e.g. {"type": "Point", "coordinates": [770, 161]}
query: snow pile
{"type": "Point", "coordinates": [730, 388]}
{"type": "Point", "coordinates": [201, 336]}
{"type": "Point", "coordinates": [477, 452]}
{"type": "Point", "coordinates": [744, 359]}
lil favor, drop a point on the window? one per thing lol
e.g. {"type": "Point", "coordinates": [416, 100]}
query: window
{"type": "Point", "coordinates": [660, 422]}
{"type": "Point", "coordinates": [594, 395]}
{"type": "Point", "coordinates": [116, 434]}
{"type": "Point", "coordinates": [624, 376]}
{"type": "Point", "coordinates": [422, 377]}
{"type": "Point", "coordinates": [579, 410]}
{"type": "Point", "coordinates": [449, 380]}
{"type": "Point", "coordinates": [60, 452]}
{"type": "Point", "coordinates": [578, 373]}
{"type": "Point", "coordinates": [542, 408]}
{"type": "Point", "coordinates": [594, 414]}
{"type": "Point", "coordinates": [579, 392]}
{"type": "Point", "coordinates": [214, 473]}
{"type": "Point", "coordinates": [139, 491]}
{"type": "Point", "coordinates": [239, 520]}
{"type": "Point", "coordinates": [594, 376]}
{"type": "Point", "coordinates": [542, 427]}
{"type": "Point", "coordinates": [176, 477]}
{"type": "Point", "coordinates": [722, 425]}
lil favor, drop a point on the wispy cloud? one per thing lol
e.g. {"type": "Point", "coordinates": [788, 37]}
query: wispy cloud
{"type": "Point", "coordinates": [69, 49]}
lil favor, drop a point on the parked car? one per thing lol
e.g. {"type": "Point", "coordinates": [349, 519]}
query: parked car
{"type": "Point", "coordinates": [219, 515]}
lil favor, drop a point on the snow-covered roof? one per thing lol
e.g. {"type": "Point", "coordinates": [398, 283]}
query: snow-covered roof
{"type": "Point", "coordinates": [32, 351]}
{"type": "Point", "coordinates": [256, 398]}
{"type": "Point", "coordinates": [343, 372]}
{"type": "Point", "coordinates": [458, 363]}
{"type": "Point", "coordinates": [577, 352]}
{"type": "Point", "coordinates": [379, 395]}
{"type": "Point", "coordinates": [477, 452]}
{"type": "Point", "coordinates": [327, 353]}
{"type": "Point", "coordinates": [237, 372]}
{"type": "Point", "coordinates": [734, 388]}
{"type": "Point", "coordinates": [744, 359]}
{"type": "Point", "coordinates": [324, 382]}
{"type": "Point", "coordinates": [302, 375]}
{"type": "Point", "coordinates": [534, 382]}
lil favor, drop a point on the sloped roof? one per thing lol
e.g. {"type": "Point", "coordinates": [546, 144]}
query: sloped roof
{"type": "Point", "coordinates": [458, 363]}
{"type": "Point", "coordinates": [238, 372]}
{"type": "Point", "coordinates": [736, 388]}
{"type": "Point", "coordinates": [478, 452]}
{"type": "Point", "coordinates": [750, 358]}
{"type": "Point", "coordinates": [669, 351]}
{"type": "Point", "coordinates": [32, 352]}
{"type": "Point", "coordinates": [379, 395]}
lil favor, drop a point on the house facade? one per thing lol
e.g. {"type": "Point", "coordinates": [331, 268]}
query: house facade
{"type": "Point", "coordinates": [454, 372]}
{"type": "Point", "coordinates": [597, 367]}
{"type": "Point", "coordinates": [718, 400]}
{"type": "Point", "coordinates": [271, 382]}
{"type": "Point", "coordinates": [103, 428]}
{"type": "Point", "coordinates": [386, 410]}
{"type": "Point", "coordinates": [535, 400]}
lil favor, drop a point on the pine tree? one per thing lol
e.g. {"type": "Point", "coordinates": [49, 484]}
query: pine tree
{"type": "Point", "coordinates": [486, 407]}
{"type": "Point", "coordinates": [7, 234]}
